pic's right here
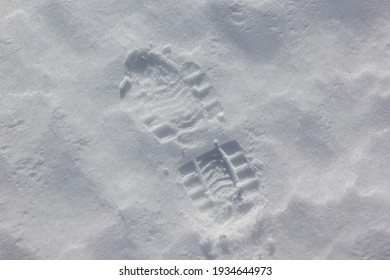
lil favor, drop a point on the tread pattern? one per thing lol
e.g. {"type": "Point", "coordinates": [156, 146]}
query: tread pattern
{"type": "Point", "coordinates": [221, 176]}
{"type": "Point", "coordinates": [173, 101]}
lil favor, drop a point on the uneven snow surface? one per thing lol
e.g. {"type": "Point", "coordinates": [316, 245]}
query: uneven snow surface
{"type": "Point", "coordinates": [134, 129]}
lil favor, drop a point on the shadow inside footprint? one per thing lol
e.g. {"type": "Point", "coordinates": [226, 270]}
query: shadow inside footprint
{"type": "Point", "coordinates": [138, 61]}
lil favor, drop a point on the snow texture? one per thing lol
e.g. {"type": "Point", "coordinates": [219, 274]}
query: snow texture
{"type": "Point", "coordinates": [255, 129]}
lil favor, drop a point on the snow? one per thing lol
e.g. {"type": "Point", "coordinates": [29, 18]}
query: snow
{"type": "Point", "coordinates": [110, 110]}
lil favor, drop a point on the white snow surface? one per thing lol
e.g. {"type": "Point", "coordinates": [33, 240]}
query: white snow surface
{"type": "Point", "coordinates": [102, 108]}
